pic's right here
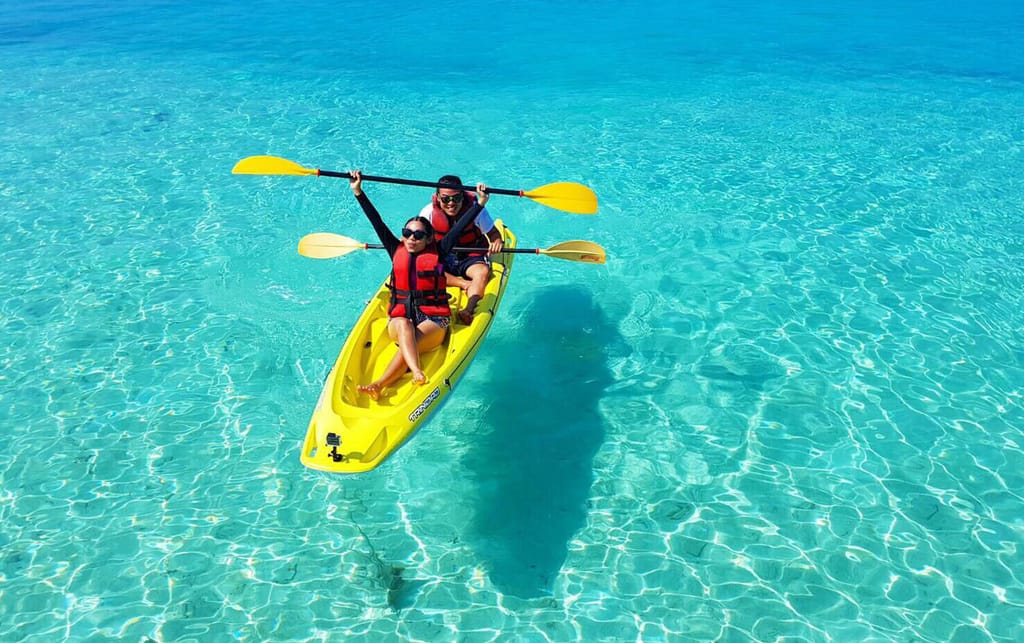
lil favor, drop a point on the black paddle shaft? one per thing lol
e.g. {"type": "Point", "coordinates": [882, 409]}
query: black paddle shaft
{"type": "Point", "coordinates": [425, 184]}
{"type": "Point", "coordinates": [528, 251]}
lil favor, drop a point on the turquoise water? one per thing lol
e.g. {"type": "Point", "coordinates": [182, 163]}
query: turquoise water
{"type": "Point", "coordinates": [788, 408]}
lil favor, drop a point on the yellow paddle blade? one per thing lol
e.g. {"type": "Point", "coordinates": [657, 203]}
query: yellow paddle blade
{"type": "Point", "coordinates": [569, 197]}
{"type": "Point", "coordinates": [270, 165]}
{"type": "Point", "coordinates": [327, 245]}
{"type": "Point", "coordinates": [582, 251]}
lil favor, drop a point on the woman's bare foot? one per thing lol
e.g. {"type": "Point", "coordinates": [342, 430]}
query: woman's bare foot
{"type": "Point", "coordinates": [419, 378]}
{"type": "Point", "coordinates": [372, 389]}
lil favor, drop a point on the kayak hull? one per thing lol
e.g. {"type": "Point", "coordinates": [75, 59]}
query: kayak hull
{"type": "Point", "coordinates": [351, 433]}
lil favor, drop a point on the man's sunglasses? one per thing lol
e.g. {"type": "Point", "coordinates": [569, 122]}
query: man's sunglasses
{"type": "Point", "coordinates": [451, 198]}
{"type": "Point", "coordinates": [418, 235]}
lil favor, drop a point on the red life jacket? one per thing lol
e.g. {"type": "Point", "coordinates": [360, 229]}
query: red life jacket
{"type": "Point", "coordinates": [471, 237]}
{"type": "Point", "coordinates": [417, 283]}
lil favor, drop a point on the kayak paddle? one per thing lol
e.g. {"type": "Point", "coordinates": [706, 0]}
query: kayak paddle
{"type": "Point", "coordinates": [327, 245]}
{"type": "Point", "coordinates": [568, 197]}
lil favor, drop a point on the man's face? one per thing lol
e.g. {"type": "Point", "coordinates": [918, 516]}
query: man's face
{"type": "Point", "coordinates": [449, 200]}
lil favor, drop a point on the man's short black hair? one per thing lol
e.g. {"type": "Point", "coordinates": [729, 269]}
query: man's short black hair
{"type": "Point", "coordinates": [452, 180]}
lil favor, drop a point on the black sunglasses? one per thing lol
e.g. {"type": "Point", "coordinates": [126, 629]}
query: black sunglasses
{"type": "Point", "coordinates": [451, 198]}
{"type": "Point", "coordinates": [418, 235]}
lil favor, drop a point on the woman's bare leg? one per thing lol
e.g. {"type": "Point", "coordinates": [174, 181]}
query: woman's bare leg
{"type": "Point", "coordinates": [426, 337]}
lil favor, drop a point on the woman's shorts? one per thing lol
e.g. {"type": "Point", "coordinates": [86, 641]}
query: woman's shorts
{"type": "Point", "coordinates": [443, 322]}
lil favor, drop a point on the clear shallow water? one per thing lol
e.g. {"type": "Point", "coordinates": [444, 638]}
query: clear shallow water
{"type": "Point", "coordinates": [789, 406]}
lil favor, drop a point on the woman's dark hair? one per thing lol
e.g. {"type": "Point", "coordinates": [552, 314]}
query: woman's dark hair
{"type": "Point", "coordinates": [426, 226]}
{"type": "Point", "coordinates": [450, 180]}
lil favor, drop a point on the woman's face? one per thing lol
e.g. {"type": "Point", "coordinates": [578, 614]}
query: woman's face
{"type": "Point", "coordinates": [415, 236]}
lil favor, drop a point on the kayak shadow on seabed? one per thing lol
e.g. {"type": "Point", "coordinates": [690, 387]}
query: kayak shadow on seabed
{"type": "Point", "coordinates": [534, 467]}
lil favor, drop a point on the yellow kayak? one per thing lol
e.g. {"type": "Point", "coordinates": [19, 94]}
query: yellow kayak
{"type": "Point", "coordinates": [351, 433]}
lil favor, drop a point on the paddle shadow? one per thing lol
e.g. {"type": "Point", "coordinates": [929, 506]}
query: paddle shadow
{"type": "Point", "coordinates": [533, 469]}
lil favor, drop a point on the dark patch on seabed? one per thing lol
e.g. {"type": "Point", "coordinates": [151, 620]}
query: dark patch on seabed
{"type": "Point", "coordinates": [402, 591]}
{"type": "Point", "coordinates": [534, 467]}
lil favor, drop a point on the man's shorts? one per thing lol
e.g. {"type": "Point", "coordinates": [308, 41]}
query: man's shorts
{"type": "Point", "coordinates": [456, 265]}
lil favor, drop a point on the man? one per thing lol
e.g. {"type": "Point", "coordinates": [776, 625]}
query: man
{"type": "Point", "coordinates": [468, 270]}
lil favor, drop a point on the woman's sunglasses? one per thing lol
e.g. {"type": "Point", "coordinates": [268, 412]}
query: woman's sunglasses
{"type": "Point", "coordinates": [452, 198]}
{"type": "Point", "coordinates": [418, 235]}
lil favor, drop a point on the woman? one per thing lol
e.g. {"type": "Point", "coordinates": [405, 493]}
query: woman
{"type": "Point", "coordinates": [419, 309]}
